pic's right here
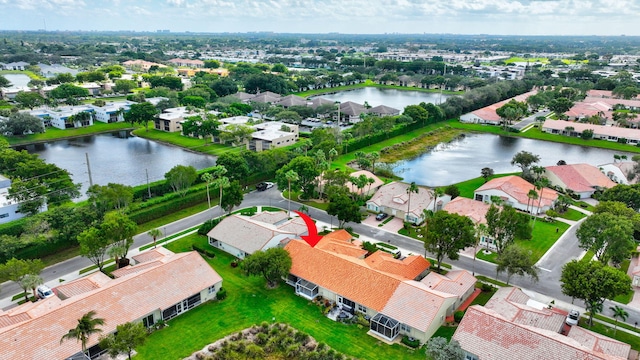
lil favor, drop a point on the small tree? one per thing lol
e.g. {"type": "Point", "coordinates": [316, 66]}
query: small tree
{"type": "Point", "coordinates": [486, 173]}
{"type": "Point", "coordinates": [517, 261]}
{"type": "Point", "coordinates": [87, 326]}
{"type": "Point", "coordinates": [127, 337]}
{"type": "Point", "coordinates": [272, 264]}
{"type": "Point", "coordinates": [233, 196]}
{"type": "Point", "coordinates": [20, 271]}
{"type": "Point", "coordinates": [618, 313]}
{"type": "Point", "coordinates": [93, 246]}
{"type": "Point", "coordinates": [155, 234]}
{"type": "Point", "coordinates": [180, 177]}
{"type": "Point", "coordinates": [447, 234]}
{"type": "Point", "coordinates": [439, 349]}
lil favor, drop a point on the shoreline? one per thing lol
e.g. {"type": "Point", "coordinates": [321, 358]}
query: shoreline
{"type": "Point", "coordinates": [36, 142]}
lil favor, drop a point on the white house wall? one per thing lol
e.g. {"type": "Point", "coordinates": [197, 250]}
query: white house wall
{"type": "Point", "coordinates": [615, 174]}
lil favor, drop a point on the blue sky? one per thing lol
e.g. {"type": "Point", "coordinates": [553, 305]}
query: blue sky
{"type": "Point", "coordinates": [522, 17]}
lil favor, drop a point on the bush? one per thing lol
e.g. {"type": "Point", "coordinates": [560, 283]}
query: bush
{"type": "Point", "coordinates": [486, 288]}
{"type": "Point", "coordinates": [207, 226]}
{"type": "Point", "coordinates": [202, 251]}
{"type": "Point", "coordinates": [222, 294]}
{"type": "Point", "coordinates": [457, 316]}
{"type": "Point", "coordinates": [411, 342]}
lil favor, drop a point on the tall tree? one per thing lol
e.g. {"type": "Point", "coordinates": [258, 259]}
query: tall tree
{"type": "Point", "coordinates": [127, 337]}
{"type": "Point", "coordinates": [505, 224]}
{"type": "Point", "coordinates": [154, 234]}
{"type": "Point", "coordinates": [236, 166]}
{"type": "Point", "coordinates": [515, 260]}
{"type": "Point", "coordinates": [342, 206]}
{"type": "Point", "coordinates": [233, 196]}
{"type": "Point", "coordinates": [412, 188]}
{"type": "Point", "coordinates": [21, 123]}
{"type": "Point", "coordinates": [272, 264]}
{"type": "Point", "coordinates": [486, 173]}
{"type": "Point", "coordinates": [524, 160]}
{"type": "Point", "coordinates": [141, 114]}
{"type": "Point", "coordinates": [609, 236]}
{"type": "Point", "coordinates": [593, 282]}
{"type": "Point", "coordinates": [307, 171]}
{"type": "Point", "coordinates": [119, 229]}
{"type": "Point", "coordinates": [618, 313]}
{"type": "Point", "coordinates": [208, 179]}
{"type": "Point", "coordinates": [110, 197]}
{"type": "Point", "coordinates": [181, 177]}
{"type": "Point", "coordinates": [87, 326]}
{"type": "Point", "coordinates": [19, 271]}
{"type": "Point", "coordinates": [29, 99]}
{"type": "Point", "coordinates": [447, 234]}
{"type": "Point", "coordinates": [292, 177]}
{"type": "Point", "coordinates": [93, 246]}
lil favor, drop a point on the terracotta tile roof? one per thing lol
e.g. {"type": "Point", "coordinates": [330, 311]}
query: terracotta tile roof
{"type": "Point", "coordinates": [599, 343]}
{"type": "Point", "coordinates": [233, 231]}
{"type": "Point", "coordinates": [394, 195]}
{"type": "Point", "coordinates": [473, 209]}
{"type": "Point", "coordinates": [81, 286]}
{"type": "Point", "coordinates": [119, 301]}
{"type": "Point", "coordinates": [338, 235]}
{"type": "Point", "coordinates": [580, 177]}
{"type": "Point", "coordinates": [341, 242]}
{"type": "Point", "coordinates": [132, 269]}
{"type": "Point", "coordinates": [514, 305]}
{"type": "Point", "coordinates": [408, 268]}
{"type": "Point", "coordinates": [588, 109]}
{"type": "Point", "coordinates": [486, 334]}
{"type": "Point", "coordinates": [411, 304]}
{"type": "Point", "coordinates": [354, 281]}
{"type": "Point", "coordinates": [518, 188]}
{"type": "Point", "coordinates": [456, 282]}
{"type": "Point", "coordinates": [376, 183]}
{"type": "Point", "coordinates": [8, 319]}
{"type": "Point", "coordinates": [599, 130]}
{"type": "Point", "coordinates": [151, 255]}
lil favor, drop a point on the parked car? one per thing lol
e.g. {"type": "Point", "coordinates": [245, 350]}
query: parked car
{"type": "Point", "coordinates": [264, 186]}
{"type": "Point", "coordinates": [43, 292]}
{"type": "Point", "coordinates": [573, 317]}
{"type": "Point", "coordinates": [381, 216]}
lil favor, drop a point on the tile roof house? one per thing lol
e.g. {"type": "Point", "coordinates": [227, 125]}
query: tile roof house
{"type": "Point", "coordinates": [619, 172]}
{"type": "Point", "coordinates": [474, 210]}
{"type": "Point", "coordinates": [488, 115]}
{"type": "Point", "coordinates": [377, 286]}
{"type": "Point", "coordinates": [241, 236]}
{"type": "Point", "coordinates": [370, 188]}
{"type": "Point", "coordinates": [291, 100]}
{"type": "Point", "coordinates": [513, 191]}
{"type": "Point", "coordinates": [350, 112]}
{"type": "Point", "coordinates": [582, 179]}
{"type": "Point", "coordinates": [457, 282]}
{"type": "Point", "coordinates": [393, 199]}
{"type": "Point", "coordinates": [175, 284]}
{"type": "Point", "coordinates": [509, 328]}
{"type": "Point", "coordinates": [383, 110]}
{"type": "Point", "coordinates": [575, 129]}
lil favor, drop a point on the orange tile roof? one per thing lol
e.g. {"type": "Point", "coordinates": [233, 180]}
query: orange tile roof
{"type": "Point", "coordinates": [518, 188]}
{"type": "Point", "coordinates": [488, 113]}
{"type": "Point", "coordinates": [486, 334]}
{"type": "Point", "coordinates": [353, 281]}
{"type": "Point", "coordinates": [119, 301]}
{"type": "Point", "coordinates": [408, 268]}
{"type": "Point", "coordinates": [341, 242]}
{"type": "Point", "coordinates": [151, 255]}
{"type": "Point", "coordinates": [581, 177]}
{"type": "Point", "coordinates": [456, 282]}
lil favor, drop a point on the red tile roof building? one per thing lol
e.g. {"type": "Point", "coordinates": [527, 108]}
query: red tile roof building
{"type": "Point", "coordinates": [582, 179]}
{"type": "Point", "coordinates": [488, 115]}
{"type": "Point", "coordinates": [513, 191]}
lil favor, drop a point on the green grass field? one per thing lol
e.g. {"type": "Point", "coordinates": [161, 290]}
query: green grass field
{"type": "Point", "coordinates": [367, 83]}
{"type": "Point", "coordinates": [248, 303]}
{"type": "Point", "coordinates": [56, 134]}
{"type": "Point", "coordinates": [571, 214]}
{"type": "Point", "coordinates": [193, 144]}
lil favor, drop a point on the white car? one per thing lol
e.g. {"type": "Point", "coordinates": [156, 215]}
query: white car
{"type": "Point", "coordinates": [44, 292]}
{"type": "Point", "coordinates": [573, 317]}
{"type": "Point", "coordinates": [269, 184]}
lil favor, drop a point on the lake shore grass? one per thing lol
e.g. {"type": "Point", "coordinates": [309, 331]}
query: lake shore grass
{"type": "Point", "coordinates": [370, 83]}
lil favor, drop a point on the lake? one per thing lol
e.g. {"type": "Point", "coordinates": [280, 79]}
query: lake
{"type": "Point", "coordinates": [17, 80]}
{"type": "Point", "coordinates": [117, 157]}
{"type": "Point", "coordinates": [463, 158]}
{"type": "Point", "coordinates": [390, 97]}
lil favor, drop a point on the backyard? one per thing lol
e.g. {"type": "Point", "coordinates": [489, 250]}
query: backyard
{"type": "Point", "coordinates": [248, 303]}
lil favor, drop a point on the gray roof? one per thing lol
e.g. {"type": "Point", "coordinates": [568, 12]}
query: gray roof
{"type": "Point", "coordinates": [384, 110]}
{"type": "Point", "coordinates": [352, 109]}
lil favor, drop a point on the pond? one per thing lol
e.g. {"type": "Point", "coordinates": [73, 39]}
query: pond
{"type": "Point", "coordinates": [397, 99]}
{"type": "Point", "coordinates": [17, 80]}
{"type": "Point", "coordinates": [463, 158]}
{"type": "Point", "coordinates": [116, 157]}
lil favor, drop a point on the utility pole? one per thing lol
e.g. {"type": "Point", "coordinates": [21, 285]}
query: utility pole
{"type": "Point", "coordinates": [148, 186]}
{"type": "Point", "coordinates": [88, 169]}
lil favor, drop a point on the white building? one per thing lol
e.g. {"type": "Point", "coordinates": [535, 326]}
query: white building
{"type": "Point", "coordinates": [63, 117]}
{"type": "Point", "coordinates": [112, 111]}
{"type": "Point", "coordinates": [8, 207]}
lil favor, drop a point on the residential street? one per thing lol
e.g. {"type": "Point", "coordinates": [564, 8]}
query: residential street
{"type": "Point", "coordinates": [551, 264]}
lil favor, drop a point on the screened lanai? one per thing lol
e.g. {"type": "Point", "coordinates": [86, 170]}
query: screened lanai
{"type": "Point", "coordinates": [306, 289]}
{"type": "Point", "coordinates": [385, 326]}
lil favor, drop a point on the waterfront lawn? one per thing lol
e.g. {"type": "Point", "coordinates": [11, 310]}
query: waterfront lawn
{"type": "Point", "coordinates": [189, 143]}
{"type": "Point", "coordinates": [368, 83]}
{"type": "Point", "coordinates": [250, 302]}
{"type": "Point", "coordinates": [52, 133]}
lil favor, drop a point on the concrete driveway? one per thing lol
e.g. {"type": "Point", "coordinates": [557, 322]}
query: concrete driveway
{"type": "Point", "coordinates": [392, 225]}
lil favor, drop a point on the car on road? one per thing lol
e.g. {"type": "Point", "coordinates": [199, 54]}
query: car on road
{"type": "Point", "coordinates": [264, 186]}
{"type": "Point", "coordinates": [381, 216]}
{"type": "Point", "coordinates": [43, 292]}
{"type": "Point", "coordinates": [573, 317]}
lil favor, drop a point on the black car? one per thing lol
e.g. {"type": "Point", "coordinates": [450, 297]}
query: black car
{"type": "Point", "coordinates": [381, 216]}
{"type": "Point", "coordinates": [261, 186]}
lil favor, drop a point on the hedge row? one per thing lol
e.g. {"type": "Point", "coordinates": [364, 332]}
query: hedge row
{"type": "Point", "coordinates": [154, 212]}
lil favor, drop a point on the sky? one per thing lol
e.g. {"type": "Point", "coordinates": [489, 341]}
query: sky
{"type": "Point", "coordinates": [500, 17]}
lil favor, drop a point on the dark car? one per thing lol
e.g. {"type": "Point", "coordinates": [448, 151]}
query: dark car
{"type": "Point", "coordinates": [381, 216]}
{"type": "Point", "coordinates": [261, 186]}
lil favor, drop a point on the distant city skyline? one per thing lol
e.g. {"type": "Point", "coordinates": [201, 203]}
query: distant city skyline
{"type": "Point", "coordinates": [495, 17]}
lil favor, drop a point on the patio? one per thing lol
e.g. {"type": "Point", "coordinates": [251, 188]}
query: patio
{"type": "Point", "coordinates": [338, 313]}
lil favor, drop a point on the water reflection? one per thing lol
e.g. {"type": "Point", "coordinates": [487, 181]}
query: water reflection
{"type": "Point", "coordinates": [463, 158]}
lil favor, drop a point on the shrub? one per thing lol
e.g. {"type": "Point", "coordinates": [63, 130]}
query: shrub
{"type": "Point", "coordinates": [222, 294]}
{"type": "Point", "coordinates": [457, 316]}
{"type": "Point", "coordinates": [411, 342]}
{"type": "Point", "coordinates": [202, 251]}
{"type": "Point", "coordinates": [486, 288]}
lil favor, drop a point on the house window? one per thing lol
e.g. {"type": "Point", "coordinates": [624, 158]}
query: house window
{"type": "Point", "coordinates": [405, 327]}
{"type": "Point", "coordinates": [211, 289]}
{"type": "Point", "coordinates": [148, 321]}
{"type": "Point", "coordinates": [468, 356]}
{"type": "Point", "coordinates": [362, 308]}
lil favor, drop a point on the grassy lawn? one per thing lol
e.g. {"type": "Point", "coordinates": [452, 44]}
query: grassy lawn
{"type": "Point", "coordinates": [468, 187]}
{"type": "Point", "coordinates": [56, 134]}
{"type": "Point", "coordinates": [543, 237]}
{"type": "Point", "coordinates": [248, 303]}
{"type": "Point", "coordinates": [571, 214]}
{"type": "Point", "coordinates": [630, 339]}
{"type": "Point", "coordinates": [620, 323]}
{"type": "Point", "coordinates": [445, 332]}
{"type": "Point", "coordinates": [174, 138]}
{"type": "Point", "coordinates": [367, 83]}
{"type": "Point", "coordinates": [295, 196]}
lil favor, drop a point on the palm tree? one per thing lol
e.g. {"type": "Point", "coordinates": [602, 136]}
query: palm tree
{"type": "Point", "coordinates": [222, 183]}
{"type": "Point", "coordinates": [413, 188]}
{"type": "Point", "coordinates": [208, 178]}
{"type": "Point", "coordinates": [333, 153]}
{"type": "Point", "coordinates": [31, 281]}
{"type": "Point", "coordinates": [618, 313]}
{"type": "Point", "coordinates": [373, 156]}
{"type": "Point", "coordinates": [480, 231]}
{"type": "Point", "coordinates": [542, 183]}
{"type": "Point", "coordinates": [87, 326]}
{"type": "Point", "coordinates": [154, 233]}
{"type": "Point", "coordinates": [436, 193]}
{"type": "Point", "coordinates": [291, 175]}
{"type": "Point", "coordinates": [531, 197]}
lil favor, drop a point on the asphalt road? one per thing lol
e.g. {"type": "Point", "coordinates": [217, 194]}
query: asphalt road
{"type": "Point", "coordinates": [549, 277]}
